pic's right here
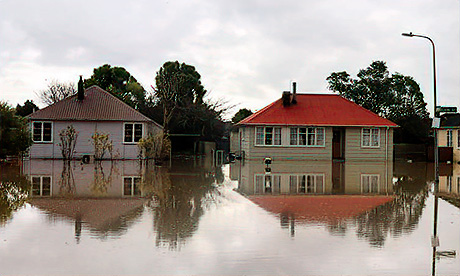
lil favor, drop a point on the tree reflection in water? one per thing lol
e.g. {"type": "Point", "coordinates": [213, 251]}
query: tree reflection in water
{"type": "Point", "coordinates": [182, 192]}
{"type": "Point", "coordinates": [67, 180]}
{"type": "Point", "coordinates": [401, 216]}
{"type": "Point", "coordinates": [14, 189]}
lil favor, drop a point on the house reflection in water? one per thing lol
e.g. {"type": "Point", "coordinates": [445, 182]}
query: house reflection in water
{"type": "Point", "coordinates": [107, 197]}
{"type": "Point", "coordinates": [362, 196]}
{"type": "Point", "coordinates": [449, 184]}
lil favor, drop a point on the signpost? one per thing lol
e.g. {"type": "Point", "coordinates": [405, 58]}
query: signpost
{"type": "Point", "coordinates": [446, 109]}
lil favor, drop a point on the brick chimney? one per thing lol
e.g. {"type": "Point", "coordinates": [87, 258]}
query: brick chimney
{"type": "Point", "coordinates": [81, 90]}
{"type": "Point", "coordinates": [294, 93]}
{"type": "Point", "coordinates": [286, 98]}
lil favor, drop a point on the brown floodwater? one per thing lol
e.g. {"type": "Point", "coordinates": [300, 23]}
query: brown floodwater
{"type": "Point", "coordinates": [198, 217]}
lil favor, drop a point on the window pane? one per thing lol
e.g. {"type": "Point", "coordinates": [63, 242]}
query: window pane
{"type": "Point", "coordinates": [293, 184]}
{"type": "Point", "coordinates": [311, 136]}
{"type": "Point", "coordinates": [35, 185]}
{"type": "Point", "coordinates": [366, 137]}
{"type": "Point", "coordinates": [46, 186]}
{"type": "Point", "coordinates": [47, 132]}
{"type": "Point", "coordinates": [449, 138]}
{"type": "Point", "coordinates": [127, 186]}
{"type": "Point", "coordinates": [268, 136]}
{"type": "Point", "coordinates": [128, 133]}
{"type": "Point", "coordinates": [276, 183]}
{"type": "Point", "coordinates": [374, 181]}
{"type": "Point", "coordinates": [310, 183]}
{"type": "Point", "coordinates": [137, 132]}
{"type": "Point", "coordinates": [277, 140]}
{"type": "Point", "coordinates": [320, 136]}
{"type": "Point", "coordinates": [37, 132]}
{"type": "Point", "coordinates": [293, 139]}
{"type": "Point", "coordinates": [137, 186]}
{"type": "Point", "coordinates": [375, 141]}
{"type": "Point", "coordinates": [259, 135]}
{"type": "Point", "coordinates": [302, 184]}
{"type": "Point", "coordinates": [268, 184]}
{"type": "Point", "coordinates": [302, 136]}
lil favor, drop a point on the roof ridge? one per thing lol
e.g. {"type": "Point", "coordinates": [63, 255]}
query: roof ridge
{"type": "Point", "coordinates": [257, 113]}
{"type": "Point", "coordinates": [94, 86]}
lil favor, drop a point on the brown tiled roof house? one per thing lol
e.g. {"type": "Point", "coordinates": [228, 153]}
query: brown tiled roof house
{"type": "Point", "coordinates": [94, 111]}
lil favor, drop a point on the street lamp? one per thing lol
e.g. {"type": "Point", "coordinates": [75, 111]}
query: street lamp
{"type": "Point", "coordinates": [435, 240]}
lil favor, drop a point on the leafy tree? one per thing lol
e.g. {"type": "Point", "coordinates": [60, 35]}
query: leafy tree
{"type": "Point", "coordinates": [14, 133]}
{"type": "Point", "coordinates": [395, 97]}
{"type": "Point", "coordinates": [28, 108]}
{"type": "Point", "coordinates": [120, 83]}
{"type": "Point", "coordinates": [241, 114]}
{"type": "Point", "coordinates": [178, 85]}
{"type": "Point", "coordinates": [56, 91]}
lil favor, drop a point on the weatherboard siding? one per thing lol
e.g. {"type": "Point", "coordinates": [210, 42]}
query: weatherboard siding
{"type": "Point", "coordinates": [285, 151]}
{"type": "Point", "coordinates": [355, 152]}
{"type": "Point", "coordinates": [84, 144]}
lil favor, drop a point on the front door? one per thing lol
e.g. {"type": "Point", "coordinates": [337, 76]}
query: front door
{"type": "Point", "coordinates": [338, 143]}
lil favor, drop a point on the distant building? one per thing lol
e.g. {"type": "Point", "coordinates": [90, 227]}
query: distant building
{"type": "Point", "coordinates": [91, 111]}
{"type": "Point", "coordinates": [314, 127]}
{"type": "Point", "coordinates": [449, 137]}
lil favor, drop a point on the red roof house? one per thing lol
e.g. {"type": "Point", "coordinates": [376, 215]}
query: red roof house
{"type": "Point", "coordinates": [314, 127]}
{"type": "Point", "coordinates": [93, 110]}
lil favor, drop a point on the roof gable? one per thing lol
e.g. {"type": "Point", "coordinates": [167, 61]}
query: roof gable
{"type": "Point", "coordinates": [98, 105]}
{"type": "Point", "coordinates": [316, 110]}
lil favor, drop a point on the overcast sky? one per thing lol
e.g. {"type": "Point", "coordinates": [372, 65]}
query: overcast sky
{"type": "Point", "coordinates": [247, 52]}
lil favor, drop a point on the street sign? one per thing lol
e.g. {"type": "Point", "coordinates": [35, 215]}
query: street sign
{"type": "Point", "coordinates": [446, 109]}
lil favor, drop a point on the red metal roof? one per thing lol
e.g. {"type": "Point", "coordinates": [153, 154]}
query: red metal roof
{"type": "Point", "coordinates": [98, 105]}
{"type": "Point", "coordinates": [320, 208]}
{"type": "Point", "coordinates": [316, 110]}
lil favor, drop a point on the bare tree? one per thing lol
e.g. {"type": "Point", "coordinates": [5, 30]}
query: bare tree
{"type": "Point", "coordinates": [56, 91]}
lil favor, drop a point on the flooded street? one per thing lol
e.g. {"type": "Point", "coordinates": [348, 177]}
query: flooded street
{"type": "Point", "coordinates": [193, 217]}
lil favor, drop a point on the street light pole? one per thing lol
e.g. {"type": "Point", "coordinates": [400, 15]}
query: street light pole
{"type": "Point", "coordinates": [435, 240]}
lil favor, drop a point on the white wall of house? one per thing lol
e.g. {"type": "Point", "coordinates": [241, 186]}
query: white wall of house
{"type": "Point", "coordinates": [84, 146]}
{"type": "Point", "coordinates": [245, 140]}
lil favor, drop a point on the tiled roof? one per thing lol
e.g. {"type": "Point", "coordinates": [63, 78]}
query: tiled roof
{"type": "Point", "coordinates": [316, 110]}
{"type": "Point", "coordinates": [320, 208]}
{"type": "Point", "coordinates": [98, 105]}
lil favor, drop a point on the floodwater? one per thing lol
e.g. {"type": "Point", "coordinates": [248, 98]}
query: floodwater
{"type": "Point", "coordinates": [194, 217]}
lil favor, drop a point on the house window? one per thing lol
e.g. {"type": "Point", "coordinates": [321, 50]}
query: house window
{"type": "Point", "coordinates": [302, 136]}
{"type": "Point", "coordinates": [306, 184]}
{"type": "Point", "coordinates": [449, 137]}
{"type": "Point", "coordinates": [370, 138]}
{"type": "Point", "coordinates": [42, 131]}
{"type": "Point", "coordinates": [267, 184]}
{"type": "Point", "coordinates": [370, 183]}
{"type": "Point", "coordinates": [131, 186]}
{"type": "Point", "coordinates": [133, 132]}
{"type": "Point", "coordinates": [267, 136]}
{"type": "Point", "coordinates": [41, 185]}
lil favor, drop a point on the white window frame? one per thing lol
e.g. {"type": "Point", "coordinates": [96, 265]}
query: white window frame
{"type": "Point", "coordinates": [449, 138]}
{"type": "Point", "coordinates": [132, 180]}
{"type": "Point", "coordinates": [372, 143]}
{"type": "Point", "coordinates": [369, 177]}
{"type": "Point", "coordinates": [41, 185]}
{"type": "Point", "coordinates": [133, 132]}
{"type": "Point", "coordinates": [275, 179]}
{"type": "Point", "coordinates": [458, 138]}
{"type": "Point", "coordinates": [295, 135]}
{"type": "Point", "coordinates": [314, 176]}
{"type": "Point", "coordinates": [260, 136]}
{"type": "Point", "coordinates": [42, 134]}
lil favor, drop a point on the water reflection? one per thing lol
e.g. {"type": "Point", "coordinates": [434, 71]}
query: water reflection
{"type": "Point", "coordinates": [342, 196]}
{"type": "Point", "coordinates": [14, 189]}
{"type": "Point", "coordinates": [108, 197]}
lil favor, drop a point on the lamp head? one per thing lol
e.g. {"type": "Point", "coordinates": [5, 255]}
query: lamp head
{"type": "Point", "coordinates": [407, 34]}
